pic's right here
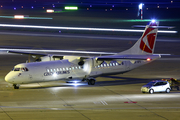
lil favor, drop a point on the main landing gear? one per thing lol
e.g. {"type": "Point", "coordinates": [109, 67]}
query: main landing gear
{"type": "Point", "coordinates": [16, 86]}
{"type": "Point", "coordinates": [91, 81]}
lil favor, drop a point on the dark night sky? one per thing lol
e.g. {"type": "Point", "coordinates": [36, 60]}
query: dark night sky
{"type": "Point", "coordinates": [166, 3]}
{"type": "Point", "coordinates": [121, 3]}
{"type": "Point", "coordinates": [94, 1]}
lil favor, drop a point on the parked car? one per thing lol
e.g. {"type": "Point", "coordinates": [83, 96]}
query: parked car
{"type": "Point", "coordinates": [156, 86]}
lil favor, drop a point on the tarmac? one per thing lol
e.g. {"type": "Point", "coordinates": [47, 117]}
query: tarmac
{"type": "Point", "coordinates": [112, 97]}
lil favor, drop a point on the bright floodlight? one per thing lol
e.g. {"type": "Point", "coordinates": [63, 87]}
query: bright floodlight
{"type": "Point", "coordinates": [55, 75]}
{"type": "Point", "coordinates": [49, 11]}
{"type": "Point", "coordinates": [71, 8]}
{"type": "Point", "coordinates": [19, 16]}
{"type": "Point", "coordinates": [153, 21]}
{"type": "Point", "coordinates": [140, 6]}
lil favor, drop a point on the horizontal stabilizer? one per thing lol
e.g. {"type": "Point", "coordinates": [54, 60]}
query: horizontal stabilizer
{"type": "Point", "coordinates": [168, 27]}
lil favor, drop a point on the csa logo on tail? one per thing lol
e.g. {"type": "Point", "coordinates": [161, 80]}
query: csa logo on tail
{"type": "Point", "coordinates": [148, 40]}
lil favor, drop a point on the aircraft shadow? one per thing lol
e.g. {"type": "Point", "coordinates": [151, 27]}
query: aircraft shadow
{"type": "Point", "coordinates": [118, 81]}
{"type": "Point", "coordinates": [123, 81]}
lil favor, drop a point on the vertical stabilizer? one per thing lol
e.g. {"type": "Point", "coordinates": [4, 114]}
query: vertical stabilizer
{"type": "Point", "coordinates": [146, 44]}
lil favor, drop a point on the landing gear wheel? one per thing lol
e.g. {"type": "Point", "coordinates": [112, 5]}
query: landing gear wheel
{"type": "Point", "coordinates": [16, 86]}
{"type": "Point", "coordinates": [151, 91]}
{"type": "Point", "coordinates": [167, 90]}
{"type": "Point", "coordinates": [91, 82]}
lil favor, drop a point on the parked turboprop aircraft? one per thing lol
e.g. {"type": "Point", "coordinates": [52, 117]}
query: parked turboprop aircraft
{"type": "Point", "coordinates": [78, 68]}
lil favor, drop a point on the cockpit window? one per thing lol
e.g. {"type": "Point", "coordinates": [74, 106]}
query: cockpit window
{"type": "Point", "coordinates": [24, 69]}
{"type": "Point", "coordinates": [16, 69]}
{"type": "Point", "coordinates": [21, 69]}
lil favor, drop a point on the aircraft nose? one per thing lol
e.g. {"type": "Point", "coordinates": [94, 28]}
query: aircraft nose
{"type": "Point", "coordinates": [8, 78]}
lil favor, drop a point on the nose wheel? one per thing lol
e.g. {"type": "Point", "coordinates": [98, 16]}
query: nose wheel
{"type": "Point", "coordinates": [16, 86]}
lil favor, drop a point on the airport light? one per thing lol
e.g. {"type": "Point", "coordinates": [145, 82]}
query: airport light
{"type": "Point", "coordinates": [50, 11]}
{"type": "Point", "coordinates": [153, 21]}
{"type": "Point", "coordinates": [23, 17]}
{"type": "Point", "coordinates": [19, 16]}
{"type": "Point", "coordinates": [71, 8]}
{"type": "Point", "coordinates": [141, 8]}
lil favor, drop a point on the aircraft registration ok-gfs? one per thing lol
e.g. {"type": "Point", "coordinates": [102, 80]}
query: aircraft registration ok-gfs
{"type": "Point", "coordinates": [78, 68]}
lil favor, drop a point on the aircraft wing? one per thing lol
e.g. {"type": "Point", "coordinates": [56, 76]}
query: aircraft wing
{"type": "Point", "coordinates": [128, 57]}
{"type": "Point", "coordinates": [100, 58]}
{"type": "Point", "coordinates": [36, 55]}
{"type": "Point", "coordinates": [108, 57]}
{"type": "Point", "coordinates": [45, 52]}
{"type": "Point", "coordinates": [28, 53]}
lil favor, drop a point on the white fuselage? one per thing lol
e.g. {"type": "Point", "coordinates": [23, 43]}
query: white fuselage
{"type": "Point", "coordinates": [64, 70]}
